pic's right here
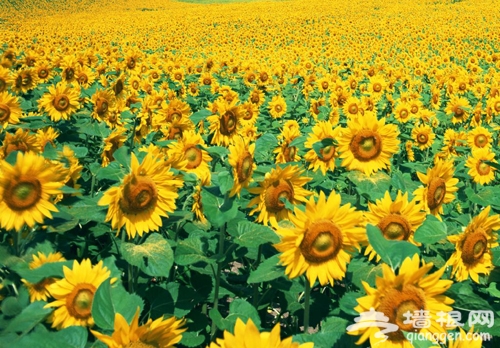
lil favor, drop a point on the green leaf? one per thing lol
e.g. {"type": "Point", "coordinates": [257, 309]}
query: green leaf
{"type": "Point", "coordinates": [103, 311]}
{"type": "Point", "coordinates": [217, 209]}
{"type": "Point", "coordinates": [243, 310]}
{"type": "Point", "coordinates": [11, 306]}
{"type": "Point", "coordinates": [52, 269]}
{"type": "Point", "coordinates": [125, 303]}
{"type": "Point", "coordinates": [192, 339]}
{"type": "Point", "coordinates": [122, 156]}
{"type": "Point", "coordinates": [466, 299]}
{"type": "Point", "coordinates": [267, 271]}
{"type": "Point", "coordinates": [496, 256]}
{"type": "Point", "coordinates": [32, 315]}
{"type": "Point", "coordinates": [362, 270]}
{"type": "Point", "coordinates": [218, 151]}
{"type": "Point", "coordinates": [190, 251]}
{"type": "Point", "coordinates": [154, 257]}
{"type": "Point", "coordinates": [373, 187]}
{"type": "Point", "coordinates": [200, 115]}
{"type": "Point", "coordinates": [417, 343]}
{"type": "Point", "coordinates": [263, 145]}
{"type": "Point", "coordinates": [348, 302]}
{"type": "Point", "coordinates": [485, 196]}
{"type": "Point", "coordinates": [250, 234]}
{"type": "Point", "coordinates": [431, 231]}
{"type": "Point", "coordinates": [392, 252]}
{"type": "Point", "coordinates": [319, 145]}
{"type": "Point", "coordinates": [225, 181]}
{"type": "Point", "coordinates": [72, 337]}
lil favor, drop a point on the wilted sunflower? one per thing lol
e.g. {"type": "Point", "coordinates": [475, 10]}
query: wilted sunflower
{"type": "Point", "coordinates": [480, 171]}
{"type": "Point", "coordinates": [367, 144]}
{"type": "Point", "coordinates": [248, 335]}
{"type": "Point", "coordinates": [398, 219]}
{"type": "Point", "coordinates": [224, 125]}
{"type": "Point", "coordinates": [277, 106]}
{"type": "Point", "coordinates": [423, 136]}
{"type": "Point", "coordinates": [10, 109]}
{"type": "Point", "coordinates": [25, 191]}
{"type": "Point", "coordinates": [321, 243]}
{"type": "Point", "coordinates": [74, 294]}
{"type": "Point", "coordinates": [40, 291]}
{"type": "Point", "coordinates": [241, 159]}
{"type": "Point", "coordinates": [278, 184]}
{"type": "Point", "coordinates": [197, 207]}
{"type": "Point", "coordinates": [145, 195]}
{"type": "Point", "coordinates": [473, 246]}
{"type": "Point", "coordinates": [479, 138]}
{"type": "Point", "coordinates": [411, 290]}
{"type": "Point", "coordinates": [439, 189]}
{"type": "Point", "coordinates": [60, 102]}
{"type": "Point", "coordinates": [163, 333]}
{"type": "Point", "coordinates": [322, 132]}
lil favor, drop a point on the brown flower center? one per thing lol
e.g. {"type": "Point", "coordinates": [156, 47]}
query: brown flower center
{"type": "Point", "coordinates": [228, 123]}
{"type": "Point", "coordinates": [395, 227]}
{"type": "Point", "coordinates": [83, 78]}
{"type": "Point", "coordinates": [435, 98]}
{"type": "Point", "coordinates": [483, 168]}
{"type": "Point", "coordinates": [135, 84]}
{"type": "Point", "coordinates": [327, 153]}
{"type": "Point", "coordinates": [474, 246]}
{"type": "Point", "coordinates": [255, 98]}
{"type": "Point", "coordinates": [278, 108]}
{"type": "Point", "coordinates": [353, 109]}
{"type": "Point", "coordinates": [194, 157]}
{"type": "Point", "coordinates": [324, 84]}
{"type": "Point", "coordinates": [251, 78]}
{"type": "Point", "coordinates": [322, 241]}
{"type": "Point", "coordinates": [414, 109]}
{"type": "Point", "coordinates": [61, 102]}
{"type": "Point", "coordinates": [23, 194]}
{"type": "Point", "coordinates": [43, 73]}
{"type": "Point", "coordinates": [3, 85]}
{"type": "Point", "coordinates": [459, 112]}
{"type": "Point", "coordinates": [4, 112]}
{"type": "Point", "coordinates": [174, 133]}
{"type": "Point", "coordinates": [118, 87]}
{"type": "Point", "coordinates": [101, 106]}
{"type": "Point", "coordinates": [436, 191]}
{"type": "Point", "coordinates": [497, 107]}
{"type": "Point", "coordinates": [403, 114]}
{"type": "Point", "coordinates": [289, 152]}
{"type": "Point", "coordinates": [139, 194]}
{"type": "Point", "coordinates": [462, 86]}
{"type": "Point", "coordinates": [366, 145]}
{"type": "Point", "coordinates": [480, 140]}
{"type": "Point", "coordinates": [244, 167]}
{"type": "Point", "coordinates": [131, 63]}
{"type": "Point", "coordinates": [353, 84]}
{"type": "Point", "coordinates": [422, 138]}
{"type": "Point", "coordinates": [79, 302]}
{"type": "Point", "coordinates": [178, 76]}
{"type": "Point", "coordinates": [278, 190]}
{"type": "Point", "coordinates": [69, 73]}
{"type": "Point", "coordinates": [377, 87]}
{"type": "Point", "coordinates": [264, 76]}
{"type": "Point", "coordinates": [207, 81]}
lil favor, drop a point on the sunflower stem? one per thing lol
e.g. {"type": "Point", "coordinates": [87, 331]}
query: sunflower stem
{"type": "Point", "coordinates": [255, 300]}
{"type": "Point", "coordinates": [132, 143]}
{"type": "Point", "coordinates": [92, 185]}
{"type": "Point", "coordinates": [222, 236]}
{"type": "Point", "coordinates": [16, 238]}
{"type": "Point", "coordinates": [307, 295]}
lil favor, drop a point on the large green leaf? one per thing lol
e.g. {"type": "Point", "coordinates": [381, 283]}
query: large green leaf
{"type": "Point", "coordinates": [431, 231]}
{"type": "Point", "coordinates": [267, 271]}
{"type": "Point", "coordinates": [485, 196]}
{"type": "Point", "coordinates": [191, 251]}
{"type": "Point", "coordinates": [373, 186]}
{"type": "Point", "coordinates": [219, 210]}
{"type": "Point", "coordinates": [250, 234]}
{"type": "Point", "coordinates": [32, 315]}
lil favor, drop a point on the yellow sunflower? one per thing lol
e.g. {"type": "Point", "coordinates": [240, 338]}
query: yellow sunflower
{"type": "Point", "coordinates": [402, 112]}
{"type": "Point", "coordinates": [321, 243]}
{"type": "Point", "coordinates": [440, 187]}
{"type": "Point", "coordinates": [479, 138]}
{"type": "Point", "coordinates": [197, 207]}
{"type": "Point", "coordinates": [145, 195]}
{"type": "Point", "coordinates": [458, 108]}
{"type": "Point", "coordinates": [224, 125]}
{"type": "Point", "coordinates": [10, 109]}
{"type": "Point", "coordinates": [103, 102]}
{"type": "Point", "coordinates": [423, 136]}
{"type": "Point", "coordinates": [74, 294]}
{"type": "Point", "coordinates": [164, 333]}
{"type": "Point", "coordinates": [173, 111]}
{"type": "Point", "coordinates": [250, 113]}
{"type": "Point", "coordinates": [248, 335]}
{"type": "Point", "coordinates": [481, 172]}
{"type": "Point", "coordinates": [352, 107]}
{"type": "Point", "coordinates": [46, 136]}
{"type": "Point", "coordinates": [24, 81]}
{"type": "Point", "coordinates": [278, 184]}
{"type": "Point", "coordinates": [60, 102]}
{"type": "Point", "coordinates": [277, 106]}
{"type": "Point", "coordinates": [367, 144]}
{"type": "Point", "coordinates": [473, 246]}
{"type": "Point", "coordinates": [470, 339]}
{"type": "Point", "coordinates": [241, 159]}
{"type": "Point", "coordinates": [398, 219]}
{"type": "Point", "coordinates": [40, 291]}
{"type": "Point", "coordinates": [5, 79]}
{"type": "Point", "coordinates": [396, 295]}
{"type": "Point", "coordinates": [451, 140]}
{"type": "Point", "coordinates": [112, 143]}
{"type": "Point", "coordinates": [322, 132]}
{"type": "Point", "coordinates": [22, 141]}
{"type": "Point", "coordinates": [256, 97]}
{"type": "Point", "coordinates": [26, 189]}
{"type": "Point", "coordinates": [285, 152]}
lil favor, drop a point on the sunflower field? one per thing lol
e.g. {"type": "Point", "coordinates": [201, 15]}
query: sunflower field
{"type": "Point", "coordinates": [240, 174]}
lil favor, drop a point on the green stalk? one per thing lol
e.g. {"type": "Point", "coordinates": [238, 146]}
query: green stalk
{"type": "Point", "coordinates": [307, 294]}
{"type": "Point", "coordinates": [222, 236]}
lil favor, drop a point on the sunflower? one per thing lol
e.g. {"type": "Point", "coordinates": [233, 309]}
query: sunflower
{"type": "Point", "coordinates": [451, 141]}
{"type": "Point", "coordinates": [60, 102]}
{"type": "Point", "coordinates": [40, 291]}
{"type": "Point", "coordinates": [197, 207]}
{"type": "Point", "coordinates": [396, 295]}
{"type": "Point", "coordinates": [377, 87]}
{"type": "Point", "coordinates": [277, 106]}
{"type": "Point", "coordinates": [352, 107]}
{"type": "Point", "coordinates": [247, 335]}
{"type": "Point", "coordinates": [278, 184]}
{"type": "Point", "coordinates": [112, 143]}
{"type": "Point", "coordinates": [250, 113]}
{"type": "Point", "coordinates": [241, 159]}
{"type": "Point", "coordinates": [85, 76]}
{"type": "Point", "coordinates": [367, 144]}
{"type": "Point", "coordinates": [46, 136]}
{"type": "Point", "coordinates": [398, 219]}
{"type": "Point", "coordinates": [74, 294]}
{"type": "Point", "coordinates": [24, 80]}
{"type": "Point", "coordinates": [402, 112]}
{"type": "Point", "coordinates": [285, 152]}
{"type": "Point", "coordinates": [423, 136]}
{"type": "Point", "coordinates": [145, 195]}
{"type": "Point", "coordinates": [458, 109]}
{"type": "Point", "coordinates": [439, 189]}
{"type": "Point", "coordinates": [321, 243]}
{"type": "Point", "coordinates": [43, 71]}
{"type": "Point", "coordinates": [25, 191]}
{"type": "Point", "coordinates": [22, 141]}
{"type": "Point", "coordinates": [466, 340]}
{"type": "Point", "coordinates": [5, 79]}
{"type": "Point", "coordinates": [103, 102]}
{"type": "Point", "coordinates": [479, 138]}
{"type": "Point", "coordinates": [173, 111]}
{"type": "Point", "coordinates": [473, 246]}
{"type": "Point", "coordinates": [10, 109]}
{"type": "Point", "coordinates": [480, 171]}
{"type": "Point", "coordinates": [324, 159]}
{"type": "Point", "coordinates": [161, 332]}
{"type": "Point", "coordinates": [224, 125]}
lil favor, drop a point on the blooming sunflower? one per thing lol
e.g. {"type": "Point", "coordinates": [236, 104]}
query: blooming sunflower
{"type": "Point", "coordinates": [46, 136]}
{"type": "Point", "coordinates": [439, 189]}
{"type": "Point", "coordinates": [423, 136]}
{"type": "Point", "coordinates": [60, 102]}
{"type": "Point", "coordinates": [402, 112]}
{"type": "Point", "coordinates": [325, 159]}
{"type": "Point", "coordinates": [480, 171]}
{"type": "Point", "coordinates": [22, 141]}
{"type": "Point", "coordinates": [458, 109]}
{"type": "Point", "coordinates": [277, 106]}
{"type": "Point", "coordinates": [398, 219]}
{"type": "Point", "coordinates": [473, 246]}
{"type": "Point", "coordinates": [145, 195]}
{"type": "Point", "coordinates": [479, 138]}
{"type": "Point", "coordinates": [256, 97]}
{"type": "Point", "coordinates": [112, 143]}
{"type": "Point", "coordinates": [25, 191]}
{"type": "Point", "coordinates": [278, 184]}
{"type": "Point", "coordinates": [396, 295]}
{"type": "Point", "coordinates": [285, 152]}
{"type": "Point", "coordinates": [74, 294]}
{"type": "Point", "coordinates": [161, 332]}
{"type": "Point", "coordinates": [40, 291]}
{"type": "Point", "coordinates": [320, 244]}
{"type": "Point", "coordinates": [367, 144]}
{"type": "Point", "coordinates": [241, 159]}
{"type": "Point", "coordinates": [103, 102]}
{"type": "Point", "coordinates": [24, 80]}
{"type": "Point", "coordinates": [248, 335]}
{"type": "Point", "coordinates": [10, 109]}
{"type": "Point", "coordinates": [224, 125]}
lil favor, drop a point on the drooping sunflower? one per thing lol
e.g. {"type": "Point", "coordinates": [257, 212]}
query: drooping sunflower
{"type": "Point", "coordinates": [473, 246]}
{"type": "Point", "coordinates": [398, 219]}
{"type": "Point", "coordinates": [321, 243]}
{"type": "Point", "coordinates": [146, 194]}
{"type": "Point", "coordinates": [285, 152]}
{"type": "Point", "coordinates": [39, 291]}
{"type": "Point", "coordinates": [22, 140]}
{"type": "Point", "coordinates": [440, 187]}
{"type": "Point", "coordinates": [60, 102]}
{"type": "Point", "coordinates": [164, 333]}
{"type": "Point", "coordinates": [277, 106]}
{"type": "Point", "coordinates": [25, 191]}
{"type": "Point", "coordinates": [241, 159]}
{"type": "Point", "coordinates": [197, 207]}
{"type": "Point", "coordinates": [112, 143]}
{"type": "Point", "coordinates": [367, 144]}
{"type": "Point", "coordinates": [480, 171]}
{"type": "Point", "coordinates": [224, 125]}
{"type": "Point", "coordinates": [248, 335]}
{"type": "Point", "coordinates": [396, 295]}
{"type": "Point", "coordinates": [278, 184]}
{"type": "Point", "coordinates": [74, 294]}
{"type": "Point", "coordinates": [423, 136]}
{"type": "Point", "coordinates": [322, 132]}
{"type": "Point", "coordinates": [479, 138]}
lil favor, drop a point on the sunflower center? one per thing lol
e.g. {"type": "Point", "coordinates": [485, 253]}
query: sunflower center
{"type": "Point", "coordinates": [459, 112]}
{"type": "Point", "coordinates": [414, 109]}
{"type": "Point", "coordinates": [79, 302]}
{"type": "Point", "coordinates": [207, 81]}
{"type": "Point", "coordinates": [228, 123]}
{"type": "Point", "coordinates": [23, 195]}
{"type": "Point", "coordinates": [43, 73]}
{"type": "Point", "coordinates": [395, 227]}
{"type": "Point", "coordinates": [353, 109]}
{"type": "Point", "coordinates": [3, 84]}
{"type": "Point", "coordinates": [140, 344]}
{"type": "Point", "coordinates": [175, 116]}
{"type": "Point", "coordinates": [324, 84]}
{"type": "Point", "coordinates": [480, 140]}
{"type": "Point", "coordinates": [497, 107]}
{"type": "Point", "coordinates": [4, 112]}
{"type": "Point", "coordinates": [69, 73]}
{"type": "Point", "coordinates": [244, 168]}
{"type": "Point", "coordinates": [435, 98]}
{"type": "Point", "coordinates": [366, 145]}
{"type": "Point", "coordinates": [131, 63]}
{"type": "Point", "coordinates": [83, 78]}
{"type": "Point", "coordinates": [422, 138]}
{"type": "Point", "coordinates": [139, 195]}
{"type": "Point", "coordinates": [118, 87]}
{"type": "Point", "coordinates": [474, 246]}
{"type": "Point", "coordinates": [278, 190]}
{"type": "Point", "coordinates": [483, 168]}
{"type": "Point", "coordinates": [264, 76]}
{"type": "Point", "coordinates": [403, 114]}
{"type": "Point", "coordinates": [377, 87]}
{"type": "Point", "coordinates": [178, 77]}
{"type": "Point", "coordinates": [194, 157]}
{"type": "Point", "coordinates": [353, 84]}
{"type": "Point", "coordinates": [255, 98]}
{"type": "Point", "coordinates": [102, 106]}
{"type": "Point", "coordinates": [289, 153]}
{"type": "Point", "coordinates": [462, 86]}
{"type": "Point", "coordinates": [327, 153]}
{"type": "Point", "coordinates": [436, 192]}
{"type": "Point", "coordinates": [322, 241]}
{"type": "Point", "coordinates": [61, 102]}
